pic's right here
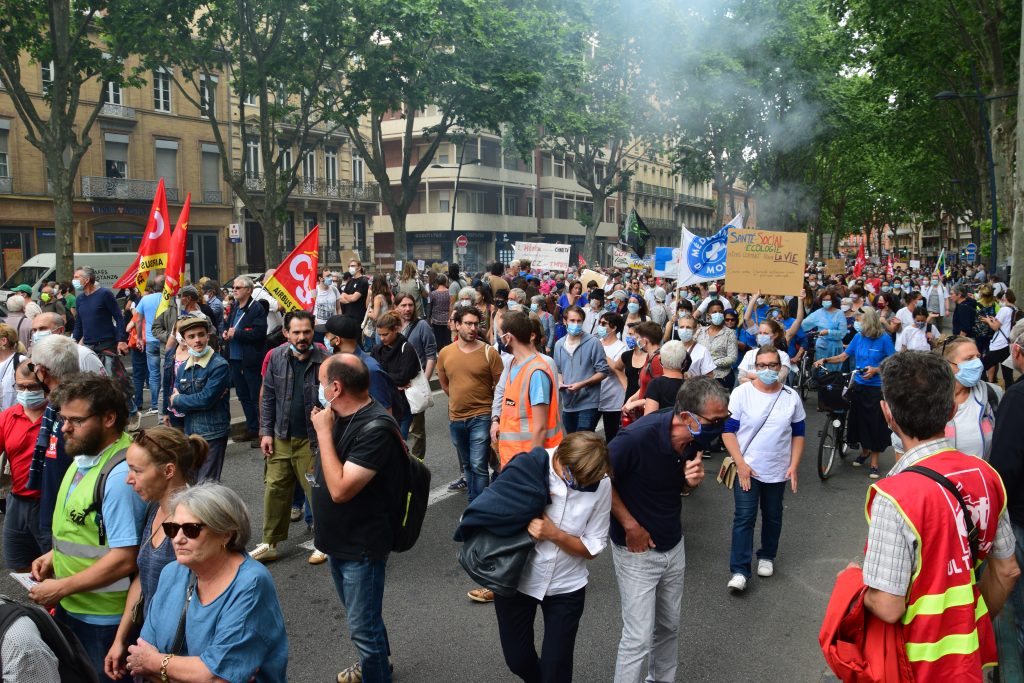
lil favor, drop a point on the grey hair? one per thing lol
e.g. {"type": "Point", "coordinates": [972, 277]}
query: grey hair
{"type": "Point", "coordinates": [58, 354]}
{"type": "Point", "coordinates": [89, 272]}
{"type": "Point", "coordinates": [468, 292]}
{"type": "Point", "coordinates": [15, 304]}
{"type": "Point", "coordinates": [53, 318]}
{"type": "Point", "coordinates": [1017, 334]}
{"type": "Point", "coordinates": [220, 509]}
{"type": "Point", "coordinates": [246, 282]}
{"type": "Point", "coordinates": [871, 324]}
{"type": "Point", "coordinates": [673, 354]}
{"type": "Point", "coordinates": [537, 299]}
{"type": "Point", "coordinates": [697, 393]}
{"type": "Point", "coordinates": [519, 294]}
{"type": "Point", "coordinates": [961, 290]}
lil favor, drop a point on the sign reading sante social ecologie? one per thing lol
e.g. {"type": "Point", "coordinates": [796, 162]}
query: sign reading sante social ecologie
{"type": "Point", "coordinates": [766, 262]}
{"type": "Point", "coordinates": [544, 256]}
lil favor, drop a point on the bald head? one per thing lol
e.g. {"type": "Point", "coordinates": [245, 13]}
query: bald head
{"type": "Point", "coordinates": [26, 371]}
{"type": "Point", "coordinates": [348, 371]}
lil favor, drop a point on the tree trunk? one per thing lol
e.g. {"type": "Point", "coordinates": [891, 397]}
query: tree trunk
{"type": "Point", "coordinates": [271, 238]}
{"type": "Point", "coordinates": [1017, 269]}
{"type": "Point", "coordinates": [398, 215]}
{"type": "Point", "coordinates": [590, 254]}
{"type": "Point", "coordinates": [63, 217]}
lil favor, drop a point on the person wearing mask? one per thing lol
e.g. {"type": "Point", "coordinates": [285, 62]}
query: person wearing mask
{"type": "Point", "coordinates": [161, 462]}
{"type": "Point", "coordinates": [869, 347]}
{"type": "Point", "coordinates": [245, 334]}
{"type": "Point", "coordinates": [572, 530]}
{"type": "Point", "coordinates": [342, 335]}
{"type": "Point", "coordinates": [360, 469]}
{"type": "Point", "coordinates": [174, 359]}
{"type": "Point", "coordinates": [647, 365]}
{"type": "Point", "coordinates": [661, 392]}
{"type": "Point", "coordinates": [354, 295]}
{"type": "Point", "coordinates": [49, 303]}
{"type": "Point", "coordinates": [965, 313]}
{"type": "Point", "coordinates": [769, 333]}
{"type": "Point", "coordinates": [700, 364]}
{"type": "Point", "coordinates": [440, 312]}
{"type": "Point", "coordinates": [904, 318]}
{"type": "Point", "coordinates": [920, 335]}
{"type": "Point", "coordinates": [988, 307]}
{"type": "Point", "coordinates": [10, 357]}
{"type": "Point", "coordinates": [935, 296]}
{"type": "Point", "coordinates": [830, 323]}
{"type": "Point", "coordinates": [720, 341]}
{"type": "Point", "coordinates": [768, 419]}
{"type": "Point", "coordinates": [211, 294]}
{"type": "Point", "coordinates": [98, 320]}
{"type": "Point", "coordinates": [148, 341]}
{"type": "Point", "coordinates": [19, 430]}
{"type": "Point", "coordinates": [235, 628]}
{"type": "Point", "coordinates": [593, 311]}
{"type": "Point", "coordinates": [418, 333]}
{"type": "Point", "coordinates": [328, 303]}
{"type": "Point", "coordinates": [918, 552]}
{"type": "Point", "coordinates": [970, 430]}
{"type": "Point", "coordinates": [581, 366]}
{"type": "Point", "coordinates": [653, 461]}
{"type": "Point", "coordinates": [399, 360]}
{"type": "Point", "coordinates": [613, 387]}
{"type": "Point", "coordinates": [87, 573]}
{"type": "Point", "coordinates": [18, 321]}
{"type": "Point", "coordinates": [539, 307]}
{"type": "Point", "coordinates": [999, 347]}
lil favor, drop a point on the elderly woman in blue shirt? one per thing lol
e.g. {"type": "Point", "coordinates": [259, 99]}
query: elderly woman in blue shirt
{"type": "Point", "coordinates": [830, 323]}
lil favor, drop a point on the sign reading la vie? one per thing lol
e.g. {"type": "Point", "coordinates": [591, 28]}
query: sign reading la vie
{"type": "Point", "coordinates": [765, 261]}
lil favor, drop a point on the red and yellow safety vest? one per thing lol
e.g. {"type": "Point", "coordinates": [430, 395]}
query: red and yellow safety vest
{"type": "Point", "coordinates": [516, 425]}
{"type": "Point", "coordinates": [947, 627]}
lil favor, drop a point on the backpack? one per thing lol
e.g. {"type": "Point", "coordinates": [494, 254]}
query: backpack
{"type": "Point", "coordinates": [98, 492]}
{"type": "Point", "coordinates": [72, 661]}
{"type": "Point", "coordinates": [410, 508]}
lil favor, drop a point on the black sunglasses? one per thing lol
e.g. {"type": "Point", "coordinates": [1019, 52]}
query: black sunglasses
{"type": "Point", "coordinates": [714, 422]}
{"type": "Point", "coordinates": [190, 529]}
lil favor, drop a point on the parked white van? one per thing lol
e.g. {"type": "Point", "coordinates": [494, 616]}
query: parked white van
{"type": "Point", "coordinates": [42, 268]}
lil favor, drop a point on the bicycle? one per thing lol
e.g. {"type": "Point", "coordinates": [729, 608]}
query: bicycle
{"type": "Point", "coordinates": [805, 372]}
{"type": "Point", "coordinates": [832, 388]}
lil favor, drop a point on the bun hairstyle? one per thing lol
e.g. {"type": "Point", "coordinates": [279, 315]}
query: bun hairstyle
{"type": "Point", "coordinates": [169, 446]}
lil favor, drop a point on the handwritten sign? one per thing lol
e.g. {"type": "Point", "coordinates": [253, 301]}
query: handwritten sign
{"type": "Point", "coordinates": [835, 266]}
{"type": "Point", "coordinates": [587, 275]}
{"type": "Point", "coordinates": [544, 256]}
{"type": "Point", "coordinates": [766, 262]}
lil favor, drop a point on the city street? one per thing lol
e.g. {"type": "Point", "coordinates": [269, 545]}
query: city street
{"type": "Point", "coordinates": [437, 634]}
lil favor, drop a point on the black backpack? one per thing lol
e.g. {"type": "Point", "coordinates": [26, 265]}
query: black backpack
{"type": "Point", "coordinates": [410, 508]}
{"type": "Point", "coordinates": [72, 661]}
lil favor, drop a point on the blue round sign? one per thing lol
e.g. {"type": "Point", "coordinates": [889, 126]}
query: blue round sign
{"type": "Point", "coordinates": [971, 248]}
{"type": "Point", "coordinates": [706, 255]}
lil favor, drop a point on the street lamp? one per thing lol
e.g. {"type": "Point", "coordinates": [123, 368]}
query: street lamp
{"type": "Point", "coordinates": [455, 192]}
{"type": "Point", "coordinates": [981, 99]}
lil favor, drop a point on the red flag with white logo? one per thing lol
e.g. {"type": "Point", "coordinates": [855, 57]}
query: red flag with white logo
{"type": "Point", "coordinates": [156, 240]}
{"type": "Point", "coordinates": [294, 281]}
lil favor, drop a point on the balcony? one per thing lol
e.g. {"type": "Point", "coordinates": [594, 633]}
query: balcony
{"type": "Point", "coordinates": [661, 224]}
{"type": "Point", "coordinates": [638, 187]}
{"type": "Point", "coordinates": [213, 197]}
{"type": "Point", "coordinates": [6, 185]}
{"type": "Point", "coordinates": [121, 188]}
{"type": "Point", "coordinates": [693, 200]}
{"type": "Point", "coordinates": [118, 112]}
{"type": "Point", "coordinates": [464, 222]}
{"type": "Point", "coordinates": [322, 189]}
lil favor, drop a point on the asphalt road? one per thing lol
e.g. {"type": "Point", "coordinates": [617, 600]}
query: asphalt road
{"type": "Point", "coordinates": [437, 634]}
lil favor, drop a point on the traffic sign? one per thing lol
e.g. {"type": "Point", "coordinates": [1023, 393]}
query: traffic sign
{"type": "Point", "coordinates": [971, 250]}
{"type": "Point", "coordinates": [462, 241]}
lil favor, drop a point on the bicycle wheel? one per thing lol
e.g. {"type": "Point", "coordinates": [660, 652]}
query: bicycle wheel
{"type": "Point", "coordinates": [805, 373]}
{"type": "Point", "coordinates": [829, 448]}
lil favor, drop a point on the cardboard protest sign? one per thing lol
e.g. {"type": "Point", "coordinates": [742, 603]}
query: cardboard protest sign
{"type": "Point", "coordinates": [766, 262]}
{"type": "Point", "coordinates": [587, 275]}
{"type": "Point", "coordinates": [835, 266]}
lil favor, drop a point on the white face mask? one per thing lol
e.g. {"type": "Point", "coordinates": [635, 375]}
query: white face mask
{"type": "Point", "coordinates": [84, 462]}
{"type": "Point", "coordinates": [351, 271]}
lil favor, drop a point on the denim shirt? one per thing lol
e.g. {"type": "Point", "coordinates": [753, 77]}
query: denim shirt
{"type": "Point", "coordinates": [202, 397]}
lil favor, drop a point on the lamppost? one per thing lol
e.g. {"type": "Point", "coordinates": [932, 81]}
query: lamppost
{"type": "Point", "coordinates": [455, 192]}
{"type": "Point", "coordinates": [982, 99]}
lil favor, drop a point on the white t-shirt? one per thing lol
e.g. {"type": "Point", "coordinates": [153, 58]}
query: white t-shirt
{"type": "Point", "coordinates": [613, 394]}
{"type": "Point", "coordinates": [326, 303]}
{"type": "Point", "coordinates": [912, 339]}
{"type": "Point", "coordinates": [700, 361]}
{"type": "Point", "coordinates": [747, 364]}
{"type": "Point", "coordinates": [999, 338]}
{"type": "Point", "coordinates": [767, 451]}
{"type": "Point", "coordinates": [906, 317]}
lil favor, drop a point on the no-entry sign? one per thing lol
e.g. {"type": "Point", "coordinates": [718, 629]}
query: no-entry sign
{"type": "Point", "coordinates": [462, 241]}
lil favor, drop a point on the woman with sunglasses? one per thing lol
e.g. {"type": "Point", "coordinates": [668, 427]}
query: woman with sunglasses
{"type": "Point", "coordinates": [765, 437]}
{"type": "Point", "coordinates": [223, 601]}
{"type": "Point", "coordinates": [161, 462]}
{"type": "Point", "coordinates": [573, 529]}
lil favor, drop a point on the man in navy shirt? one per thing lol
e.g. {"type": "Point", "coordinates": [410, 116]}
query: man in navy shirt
{"type": "Point", "coordinates": [98, 320]}
{"type": "Point", "coordinates": [654, 460]}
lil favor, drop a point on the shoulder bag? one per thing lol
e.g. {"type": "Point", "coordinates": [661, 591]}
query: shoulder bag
{"type": "Point", "coordinates": [369, 326]}
{"type": "Point", "coordinates": [418, 392]}
{"type": "Point", "coordinates": [727, 472]}
{"type": "Point", "coordinates": [972, 530]}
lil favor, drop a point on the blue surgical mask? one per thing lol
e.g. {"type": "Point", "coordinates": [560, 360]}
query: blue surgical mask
{"type": "Point", "coordinates": [768, 376]}
{"type": "Point", "coordinates": [575, 329]}
{"type": "Point", "coordinates": [198, 354]}
{"type": "Point", "coordinates": [77, 284]}
{"type": "Point", "coordinates": [856, 325]}
{"type": "Point", "coordinates": [717, 319]}
{"type": "Point", "coordinates": [322, 398]}
{"type": "Point", "coordinates": [328, 281]}
{"type": "Point", "coordinates": [885, 289]}
{"type": "Point", "coordinates": [764, 339]}
{"type": "Point", "coordinates": [601, 332]}
{"type": "Point", "coordinates": [41, 334]}
{"type": "Point", "coordinates": [630, 343]}
{"type": "Point", "coordinates": [633, 307]}
{"type": "Point", "coordinates": [294, 349]}
{"type": "Point", "coordinates": [760, 301]}
{"type": "Point", "coordinates": [970, 372]}
{"type": "Point", "coordinates": [934, 282]}
{"type": "Point", "coordinates": [826, 304]}
{"type": "Point", "coordinates": [685, 334]}
{"type": "Point", "coordinates": [31, 399]}
{"type": "Point", "coordinates": [513, 305]}
{"type": "Point", "coordinates": [705, 434]}
{"type": "Point", "coordinates": [610, 307]}
{"type": "Point", "coordinates": [534, 307]}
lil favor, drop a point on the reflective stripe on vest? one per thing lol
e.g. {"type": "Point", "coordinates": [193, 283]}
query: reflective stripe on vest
{"type": "Point", "coordinates": [955, 644]}
{"type": "Point", "coordinates": [76, 546]}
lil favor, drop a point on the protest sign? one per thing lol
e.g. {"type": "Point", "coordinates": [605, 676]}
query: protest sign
{"type": "Point", "coordinates": [915, 263]}
{"type": "Point", "coordinates": [835, 266]}
{"type": "Point", "coordinates": [544, 256]}
{"type": "Point", "coordinates": [766, 262]}
{"type": "Point", "coordinates": [587, 275]}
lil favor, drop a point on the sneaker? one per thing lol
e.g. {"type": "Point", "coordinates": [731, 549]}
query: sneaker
{"type": "Point", "coordinates": [459, 485]}
{"type": "Point", "coordinates": [152, 411]}
{"type": "Point", "coordinates": [255, 443]}
{"type": "Point", "coordinates": [738, 583]}
{"type": "Point", "coordinates": [134, 422]}
{"type": "Point", "coordinates": [481, 595]}
{"type": "Point", "coordinates": [860, 460]}
{"type": "Point", "coordinates": [873, 473]}
{"type": "Point", "coordinates": [317, 557]}
{"type": "Point", "coordinates": [765, 567]}
{"type": "Point", "coordinates": [354, 674]}
{"type": "Point", "coordinates": [264, 552]}
{"type": "Point", "coordinates": [296, 514]}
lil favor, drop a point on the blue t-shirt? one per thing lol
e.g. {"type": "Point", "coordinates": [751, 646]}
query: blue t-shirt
{"type": "Point", "coordinates": [540, 385]}
{"type": "Point", "coordinates": [147, 309]}
{"type": "Point", "coordinates": [239, 635]}
{"type": "Point", "coordinates": [869, 353]}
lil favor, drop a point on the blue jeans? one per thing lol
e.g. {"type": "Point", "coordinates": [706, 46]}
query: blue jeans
{"type": "Point", "coordinates": [153, 355]}
{"type": "Point", "coordinates": [472, 440]}
{"type": "Point", "coordinates": [140, 374]}
{"type": "Point", "coordinates": [360, 586]}
{"type": "Point", "coordinates": [96, 640]}
{"type": "Point", "coordinates": [580, 420]}
{"type": "Point", "coordinates": [247, 383]}
{"type": "Point", "coordinates": [405, 423]}
{"type": "Point", "coordinates": [770, 498]}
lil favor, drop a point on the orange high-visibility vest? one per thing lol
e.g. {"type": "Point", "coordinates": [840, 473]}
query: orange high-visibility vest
{"type": "Point", "coordinates": [516, 426]}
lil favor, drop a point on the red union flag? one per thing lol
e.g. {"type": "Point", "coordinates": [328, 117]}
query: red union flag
{"type": "Point", "coordinates": [294, 281]}
{"type": "Point", "coordinates": [155, 241]}
{"type": "Point", "coordinates": [176, 257]}
{"type": "Point", "coordinates": [858, 266]}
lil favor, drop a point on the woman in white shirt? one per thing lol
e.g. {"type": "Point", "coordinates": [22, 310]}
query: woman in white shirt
{"type": "Point", "coordinates": [769, 333]}
{"type": "Point", "coordinates": [999, 347]}
{"type": "Point", "coordinates": [574, 529]}
{"type": "Point", "coordinates": [765, 437]}
{"type": "Point", "coordinates": [701, 364]}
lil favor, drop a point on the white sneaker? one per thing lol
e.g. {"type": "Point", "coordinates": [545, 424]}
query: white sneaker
{"type": "Point", "coordinates": [264, 552]}
{"type": "Point", "coordinates": [737, 583]}
{"type": "Point", "coordinates": [317, 557]}
{"type": "Point", "coordinates": [152, 411]}
{"type": "Point", "coordinates": [765, 567]}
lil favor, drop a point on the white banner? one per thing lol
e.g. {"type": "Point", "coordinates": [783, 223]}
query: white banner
{"type": "Point", "coordinates": [544, 256]}
{"type": "Point", "coordinates": [621, 259]}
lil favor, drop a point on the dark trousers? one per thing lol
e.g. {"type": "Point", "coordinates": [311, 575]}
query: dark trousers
{"type": "Point", "coordinates": [562, 615]}
{"type": "Point", "coordinates": [96, 640]}
{"type": "Point", "coordinates": [611, 420]}
{"type": "Point", "coordinates": [442, 335]}
{"type": "Point", "coordinates": [247, 387]}
{"type": "Point", "coordinates": [213, 465]}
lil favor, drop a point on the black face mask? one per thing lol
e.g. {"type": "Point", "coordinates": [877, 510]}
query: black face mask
{"type": "Point", "coordinates": [708, 433]}
{"type": "Point", "coordinates": [500, 303]}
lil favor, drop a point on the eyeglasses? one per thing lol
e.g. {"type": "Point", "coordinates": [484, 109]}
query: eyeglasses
{"type": "Point", "coordinates": [75, 422]}
{"type": "Point", "coordinates": [30, 387]}
{"type": "Point", "coordinates": [714, 422]}
{"type": "Point", "coordinates": [768, 366]}
{"type": "Point", "coordinates": [190, 529]}
{"type": "Point", "coordinates": [240, 287]}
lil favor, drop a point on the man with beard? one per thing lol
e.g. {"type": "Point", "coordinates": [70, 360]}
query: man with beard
{"type": "Point", "coordinates": [95, 543]}
{"type": "Point", "coordinates": [288, 440]}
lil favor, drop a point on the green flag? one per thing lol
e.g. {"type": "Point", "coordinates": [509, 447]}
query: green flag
{"type": "Point", "coordinates": [635, 234]}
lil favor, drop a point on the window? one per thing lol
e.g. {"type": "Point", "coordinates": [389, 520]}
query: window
{"type": "Point", "coordinates": [545, 166]}
{"type": "Point", "coordinates": [357, 168]}
{"type": "Point", "coordinates": [444, 201]}
{"type": "Point", "coordinates": [47, 70]}
{"type": "Point", "coordinates": [331, 165]}
{"type": "Point", "coordinates": [161, 90]}
{"type": "Point", "coordinates": [558, 167]}
{"type": "Point", "coordinates": [210, 170]}
{"type": "Point", "coordinates": [115, 148]}
{"type": "Point", "coordinates": [359, 231]}
{"type": "Point", "coordinates": [112, 93]}
{"type": "Point", "coordinates": [333, 232]}
{"type": "Point", "coordinates": [529, 206]}
{"type": "Point", "coordinates": [442, 159]}
{"type": "Point", "coordinates": [309, 166]}
{"type": "Point", "coordinates": [288, 232]}
{"type": "Point", "coordinates": [309, 221]}
{"type": "Point", "coordinates": [252, 157]}
{"type": "Point", "coordinates": [167, 162]}
{"type": "Point", "coordinates": [5, 163]}
{"type": "Point", "coordinates": [284, 158]}
{"type": "Point", "coordinates": [472, 202]}
{"type": "Point", "coordinates": [511, 206]}
{"type": "Point", "coordinates": [207, 95]}
{"type": "Point", "coordinates": [250, 100]}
